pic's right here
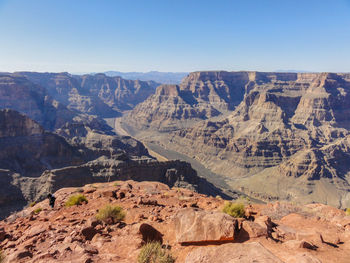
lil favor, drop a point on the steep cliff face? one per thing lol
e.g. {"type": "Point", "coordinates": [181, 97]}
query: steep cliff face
{"type": "Point", "coordinates": [18, 93]}
{"type": "Point", "coordinates": [19, 190]}
{"type": "Point", "coordinates": [200, 96]}
{"type": "Point", "coordinates": [94, 94]}
{"type": "Point", "coordinates": [169, 108]}
{"type": "Point", "coordinates": [29, 150]}
{"type": "Point", "coordinates": [288, 125]}
{"type": "Point", "coordinates": [94, 143]}
{"type": "Point", "coordinates": [34, 162]}
{"type": "Point", "coordinates": [117, 92]}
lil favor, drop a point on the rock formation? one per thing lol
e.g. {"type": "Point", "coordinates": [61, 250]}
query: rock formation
{"type": "Point", "coordinates": [280, 135]}
{"type": "Point", "coordinates": [201, 95]}
{"type": "Point", "coordinates": [27, 149]}
{"type": "Point", "coordinates": [35, 162]}
{"type": "Point", "coordinates": [94, 94]}
{"type": "Point", "coordinates": [155, 212]}
{"type": "Point", "coordinates": [18, 93]}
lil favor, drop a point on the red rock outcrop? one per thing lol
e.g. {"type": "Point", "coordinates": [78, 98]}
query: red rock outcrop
{"type": "Point", "coordinates": [194, 226]}
{"type": "Point", "coordinates": [73, 234]}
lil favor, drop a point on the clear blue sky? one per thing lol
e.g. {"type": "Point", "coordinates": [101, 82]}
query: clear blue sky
{"type": "Point", "coordinates": [174, 35]}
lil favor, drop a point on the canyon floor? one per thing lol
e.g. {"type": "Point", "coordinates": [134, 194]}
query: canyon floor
{"type": "Point", "coordinates": [152, 141]}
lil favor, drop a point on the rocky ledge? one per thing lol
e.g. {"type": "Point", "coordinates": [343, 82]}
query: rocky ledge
{"type": "Point", "coordinates": [190, 226]}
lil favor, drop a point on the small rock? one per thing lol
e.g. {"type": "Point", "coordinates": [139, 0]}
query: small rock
{"type": "Point", "coordinates": [307, 245]}
{"type": "Point", "coordinates": [20, 254]}
{"type": "Point", "coordinates": [92, 221]}
{"type": "Point", "coordinates": [2, 234]}
{"type": "Point", "coordinates": [36, 230]}
{"type": "Point", "coordinates": [109, 193]}
{"type": "Point", "coordinates": [149, 233]}
{"type": "Point", "coordinates": [126, 187]}
{"type": "Point", "coordinates": [89, 232]}
{"type": "Point", "coordinates": [90, 249]}
{"type": "Point", "coordinates": [253, 229]}
{"type": "Point", "coordinates": [89, 190]}
{"type": "Point", "coordinates": [120, 195]}
{"type": "Point", "coordinates": [194, 204]}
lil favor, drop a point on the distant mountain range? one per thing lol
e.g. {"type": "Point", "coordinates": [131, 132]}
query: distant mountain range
{"type": "Point", "coordinates": [160, 77]}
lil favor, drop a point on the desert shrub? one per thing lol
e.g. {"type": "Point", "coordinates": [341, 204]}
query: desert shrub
{"type": "Point", "coordinates": [77, 199]}
{"type": "Point", "coordinates": [347, 212]}
{"type": "Point", "coordinates": [116, 184]}
{"type": "Point", "coordinates": [38, 210]}
{"type": "Point", "coordinates": [110, 214]}
{"type": "Point", "coordinates": [234, 209]}
{"type": "Point", "coordinates": [32, 204]}
{"type": "Point", "coordinates": [154, 253]}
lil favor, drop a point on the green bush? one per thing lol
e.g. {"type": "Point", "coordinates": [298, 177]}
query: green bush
{"type": "Point", "coordinates": [110, 214]}
{"type": "Point", "coordinates": [32, 204]}
{"type": "Point", "coordinates": [77, 199]}
{"type": "Point", "coordinates": [234, 209]}
{"type": "Point", "coordinates": [154, 253]}
{"type": "Point", "coordinates": [38, 210]}
{"type": "Point", "coordinates": [347, 212]}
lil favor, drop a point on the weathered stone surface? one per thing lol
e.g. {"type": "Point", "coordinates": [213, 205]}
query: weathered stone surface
{"type": "Point", "coordinates": [89, 232]}
{"type": "Point", "coordinates": [253, 229]}
{"type": "Point", "coordinates": [276, 127]}
{"type": "Point", "coordinates": [63, 234]}
{"type": "Point", "coordinates": [2, 234]}
{"type": "Point", "coordinates": [285, 232]}
{"type": "Point", "coordinates": [36, 230]}
{"type": "Point", "coordinates": [18, 93]}
{"type": "Point", "coordinates": [295, 244]}
{"type": "Point", "coordinates": [150, 234]}
{"type": "Point", "coordinates": [194, 226]}
{"type": "Point", "coordinates": [232, 253]}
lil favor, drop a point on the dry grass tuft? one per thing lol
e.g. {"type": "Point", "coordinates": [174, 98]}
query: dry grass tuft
{"type": "Point", "coordinates": [234, 209]}
{"type": "Point", "coordinates": [111, 214]}
{"type": "Point", "coordinates": [77, 199]}
{"type": "Point", "coordinates": [154, 253]}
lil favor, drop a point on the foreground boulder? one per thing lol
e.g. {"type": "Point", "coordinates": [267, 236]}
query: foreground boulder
{"type": "Point", "coordinates": [232, 253]}
{"type": "Point", "coordinates": [199, 226]}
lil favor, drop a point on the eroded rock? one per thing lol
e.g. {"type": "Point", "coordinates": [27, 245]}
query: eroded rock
{"type": "Point", "coordinates": [196, 226]}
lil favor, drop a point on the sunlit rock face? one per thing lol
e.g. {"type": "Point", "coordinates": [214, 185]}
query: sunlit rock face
{"type": "Point", "coordinates": [261, 128]}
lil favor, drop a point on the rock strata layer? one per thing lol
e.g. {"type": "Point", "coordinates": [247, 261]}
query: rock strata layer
{"type": "Point", "coordinates": [93, 94]}
{"type": "Point", "coordinates": [277, 136]}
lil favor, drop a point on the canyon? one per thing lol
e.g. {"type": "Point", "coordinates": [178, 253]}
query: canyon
{"type": "Point", "coordinates": [169, 155]}
{"type": "Point", "coordinates": [46, 145]}
{"type": "Point", "coordinates": [274, 136]}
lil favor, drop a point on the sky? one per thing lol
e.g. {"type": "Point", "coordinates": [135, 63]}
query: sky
{"type": "Point", "coordinates": [81, 36]}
